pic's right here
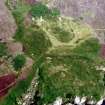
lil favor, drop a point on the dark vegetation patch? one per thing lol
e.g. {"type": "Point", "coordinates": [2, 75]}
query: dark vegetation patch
{"type": "Point", "coordinates": [35, 42]}
{"type": "Point", "coordinates": [42, 10]}
{"type": "Point", "coordinates": [3, 49]}
{"type": "Point", "coordinates": [62, 35]}
{"type": "Point", "coordinates": [39, 10]}
{"type": "Point", "coordinates": [55, 12]}
{"type": "Point", "coordinates": [90, 48]}
{"type": "Point", "coordinates": [80, 78]}
{"type": "Point", "coordinates": [19, 61]}
{"type": "Point", "coordinates": [20, 11]}
{"type": "Point", "coordinates": [20, 32]}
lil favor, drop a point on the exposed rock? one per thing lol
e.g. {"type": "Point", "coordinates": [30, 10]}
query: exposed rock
{"type": "Point", "coordinates": [28, 97]}
{"type": "Point", "coordinates": [58, 101]}
{"type": "Point", "coordinates": [100, 102]}
{"type": "Point", "coordinates": [7, 23]}
{"type": "Point", "coordinates": [92, 11]}
{"type": "Point", "coordinates": [69, 104]}
{"type": "Point", "coordinates": [77, 100]}
{"type": "Point", "coordinates": [103, 102]}
{"type": "Point", "coordinates": [83, 100]}
{"type": "Point", "coordinates": [91, 102]}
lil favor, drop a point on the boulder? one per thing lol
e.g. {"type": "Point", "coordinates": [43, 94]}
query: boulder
{"type": "Point", "coordinates": [58, 101]}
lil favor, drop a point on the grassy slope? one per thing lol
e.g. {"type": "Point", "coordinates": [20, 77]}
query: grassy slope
{"type": "Point", "coordinates": [74, 73]}
{"type": "Point", "coordinates": [70, 73]}
{"type": "Point", "coordinates": [65, 31]}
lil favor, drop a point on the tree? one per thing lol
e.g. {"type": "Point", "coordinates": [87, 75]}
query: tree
{"type": "Point", "coordinates": [19, 61]}
{"type": "Point", "coordinates": [39, 10]}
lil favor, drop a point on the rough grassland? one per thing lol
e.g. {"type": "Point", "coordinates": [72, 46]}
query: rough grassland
{"type": "Point", "coordinates": [72, 73]}
{"type": "Point", "coordinates": [70, 57]}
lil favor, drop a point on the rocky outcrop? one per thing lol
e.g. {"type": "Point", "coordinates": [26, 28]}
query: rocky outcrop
{"type": "Point", "coordinates": [91, 11]}
{"type": "Point", "coordinates": [7, 23]}
{"type": "Point", "coordinates": [27, 98]}
{"type": "Point", "coordinates": [78, 101]}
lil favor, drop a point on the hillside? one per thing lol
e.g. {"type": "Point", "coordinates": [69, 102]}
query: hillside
{"type": "Point", "coordinates": [58, 56]}
{"type": "Point", "coordinates": [7, 23]}
{"type": "Point", "coordinates": [91, 12]}
{"type": "Point", "coordinates": [87, 11]}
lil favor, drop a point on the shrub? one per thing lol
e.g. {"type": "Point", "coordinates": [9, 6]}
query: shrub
{"type": "Point", "coordinates": [55, 12]}
{"type": "Point", "coordinates": [42, 10]}
{"type": "Point", "coordinates": [90, 48]}
{"type": "Point", "coordinates": [19, 61]}
{"type": "Point", "coordinates": [39, 10]}
{"type": "Point", "coordinates": [62, 35]}
{"type": "Point", "coordinates": [3, 50]}
{"type": "Point", "coordinates": [19, 33]}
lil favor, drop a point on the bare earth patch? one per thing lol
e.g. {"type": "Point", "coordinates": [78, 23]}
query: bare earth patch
{"type": "Point", "coordinates": [7, 22]}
